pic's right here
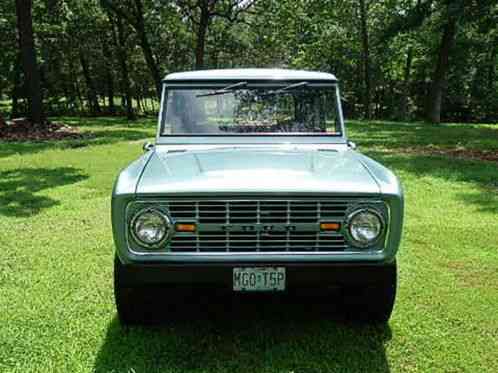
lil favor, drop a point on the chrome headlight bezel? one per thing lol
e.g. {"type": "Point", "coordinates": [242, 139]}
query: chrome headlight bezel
{"type": "Point", "coordinates": [168, 225]}
{"type": "Point", "coordinates": [372, 243]}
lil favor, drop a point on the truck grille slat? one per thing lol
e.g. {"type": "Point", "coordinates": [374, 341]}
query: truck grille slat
{"type": "Point", "coordinates": [211, 216]}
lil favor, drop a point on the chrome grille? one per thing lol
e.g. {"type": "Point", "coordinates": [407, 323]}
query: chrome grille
{"type": "Point", "coordinates": [236, 212]}
{"type": "Point", "coordinates": [305, 216]}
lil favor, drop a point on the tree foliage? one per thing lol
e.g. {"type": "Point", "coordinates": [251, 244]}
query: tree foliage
{"type": "Point", "coordinates": [398, 59]}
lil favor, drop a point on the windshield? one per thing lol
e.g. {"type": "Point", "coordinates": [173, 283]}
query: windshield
{"type": "Point", "coordinates": [239, 110]}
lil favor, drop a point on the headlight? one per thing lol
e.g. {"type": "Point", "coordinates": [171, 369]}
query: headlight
{"type": "Point", "coordinates": [151, 227]}
{"type": "Point", "coordinates": [364, 227]}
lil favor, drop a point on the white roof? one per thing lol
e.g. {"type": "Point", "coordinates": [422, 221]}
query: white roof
{"type": "Point", "coordinates": [250, 74]}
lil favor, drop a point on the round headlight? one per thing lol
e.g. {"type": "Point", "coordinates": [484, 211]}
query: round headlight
{"type": "Point", "coordinates": [364, 227]}
{"type": "Point", "coordinates": [151, 227]}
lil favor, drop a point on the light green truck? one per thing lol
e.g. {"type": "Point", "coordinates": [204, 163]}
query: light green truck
{"type": "Point", "coordinates": [253, 186]}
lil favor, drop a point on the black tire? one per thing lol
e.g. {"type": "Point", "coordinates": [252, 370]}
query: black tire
{"type": "Point", "coordinates": [372, 304]}
{"type": "Point", "coordinates": [129, 300]}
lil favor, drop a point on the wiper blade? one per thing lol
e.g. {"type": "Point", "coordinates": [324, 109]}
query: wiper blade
{"type": "Point", "coordinates": [292, 86]}
{"type": "Point", "coordinates": [223, 91]}
{"type": "Point", "coordinates": [286, 89]}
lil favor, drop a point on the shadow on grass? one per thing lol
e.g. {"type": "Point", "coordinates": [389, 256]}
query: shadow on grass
{"type": "Point", "coordinates": [89, 122]}
{"type": "Point", "coordinates": [18, 188]}
{"type": "Point", "coordinates": [246, 334]}
{"type": "Point", "coordinates": [483, 174]}
{"type": "Point", "coordinates": [445, 135]}
{"type": "Point", "coordinates": [372, 137]}
{"type": "Point", "coordinates": [98, 131]}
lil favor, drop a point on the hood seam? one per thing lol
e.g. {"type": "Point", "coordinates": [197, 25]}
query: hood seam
{"type": "Point", "coordinates": [372, 175]}
{"type": "Point", "coordinates": [143, 171]}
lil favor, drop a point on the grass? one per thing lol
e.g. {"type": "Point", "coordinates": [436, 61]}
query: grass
{"type": "Point", "coordinates": [56, 304]}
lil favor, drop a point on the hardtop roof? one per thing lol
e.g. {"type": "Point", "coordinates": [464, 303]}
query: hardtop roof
{"type": "Point", "coordinates": [249, 75]}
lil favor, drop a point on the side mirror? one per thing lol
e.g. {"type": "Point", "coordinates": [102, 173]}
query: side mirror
{"type": "Point", "coordinates": [148, 146]}
{"type": "Point", "coordinates": [352, 145]}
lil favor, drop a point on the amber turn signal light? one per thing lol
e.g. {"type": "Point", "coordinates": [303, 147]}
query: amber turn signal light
{"type": "Point", "coordinates": [185, 227]}
{"type": "Point", "coordinates": [330, 226]}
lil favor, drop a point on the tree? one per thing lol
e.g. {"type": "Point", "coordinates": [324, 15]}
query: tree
{"type": "Point", "coordinates": [366, 58]}
{"type": "Point", "coordinates": [447, 18]}
{"type": "Point", "coordinates": [434, 97]}
{"type": "Point", "coordinates": [119, 39]}
{"type": "Point", "coordinates": [93, 99]}
{"type": "Point", "coordinates": [396, 59]}
{"type": "Point", "coordinates": [108, 73]}
{"type": "Point", "coordinates": [202, 12]}
{"type": "Point", "coordinates": [29, 64]}
{"type": "Point", "coordinates": [132, 11]}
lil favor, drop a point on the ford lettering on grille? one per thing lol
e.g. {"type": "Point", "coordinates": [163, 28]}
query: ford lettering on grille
{"type": "Point", "coordinates": [259, 227]}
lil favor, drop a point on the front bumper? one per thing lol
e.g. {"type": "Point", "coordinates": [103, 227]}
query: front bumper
{"type": "Point", "coordinates": [220, 275]}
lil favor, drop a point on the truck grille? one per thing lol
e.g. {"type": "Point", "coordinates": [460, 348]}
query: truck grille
{"type": "Point", "coordinates": [297, 225]}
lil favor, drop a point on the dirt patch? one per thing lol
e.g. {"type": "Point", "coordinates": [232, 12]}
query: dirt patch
{"type": "Point", "coordinates": [459, 153]}
{"type": "Point", "coordinates": [470, 275]}
{"type": "Point", "coordinates": [483, 155]}
{"type": "Point", "coordinates": [22, 129]}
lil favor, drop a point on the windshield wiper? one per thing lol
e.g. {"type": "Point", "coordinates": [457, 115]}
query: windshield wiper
{"type": "Point", "coordinates": [286, 89]}
{"type": "Point", "coordinates": [223, 91]}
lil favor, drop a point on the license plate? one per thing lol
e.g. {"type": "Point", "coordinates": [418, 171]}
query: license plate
{"type": "Point", "coordinates": [259, 279]}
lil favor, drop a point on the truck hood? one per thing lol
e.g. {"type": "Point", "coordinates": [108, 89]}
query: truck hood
{"type": "Point", "coordinates": [249, 170]}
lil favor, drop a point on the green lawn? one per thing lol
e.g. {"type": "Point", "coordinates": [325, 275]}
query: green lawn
{"type": "Point", "coordinates": [56, 304]}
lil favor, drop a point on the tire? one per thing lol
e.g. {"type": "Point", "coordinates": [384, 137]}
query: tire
{"type": "Point", "coordinates": [372, 304]}
{"type": "Point", "coordinates": [129, 300]}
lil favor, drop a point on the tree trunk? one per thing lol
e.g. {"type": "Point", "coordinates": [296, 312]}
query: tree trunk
{"type": "Point", "coordinates": [140, 105]}
{"type": "Point", "coordinates": [51, 67]}
{"type": "Point", "coordinates": [16, 87]}
{"type": "Point", "coordinates": [366, 59]}
{"type": "Point", "coordinates": [120, 43]}
{"type": "Point", "coordinates": [67, 95]}
{"type": "Point", "coordinates": [201, 36]}
{"type": "Point", "coordinates": [492, 64]}
{"type": "Point", "coordinates": [72, 85]}
{"type": "Point", "coordinates": [145, 93]}
{"type": "Point", "coordinates": [151, 63]}
{"type": "Point", "coordinates": [110, 92]}
{"type": "Point", "coordinates": [45, 85]}
{"type": "Point", "coordinates": [108, 76]}
{"type": "Point", "coordinates": [93, 100]}
{"type": "Point", "coordinates": [434, 99]}
{"type": "Point", "coordinates": [146, 48]}
{"type": "Point", "coordinates": [31, 73]}
{"type": "Point", "coordinates": [403, 107]}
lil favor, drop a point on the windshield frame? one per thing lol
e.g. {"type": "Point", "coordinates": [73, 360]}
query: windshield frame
{"type": "Point", "coordinates": [249, 138]}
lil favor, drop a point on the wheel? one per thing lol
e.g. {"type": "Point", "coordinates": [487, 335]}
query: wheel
{"type": "Point", "coordinates": [372, 303]}
{"type": "Point", "coordinates": [129, 300]}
